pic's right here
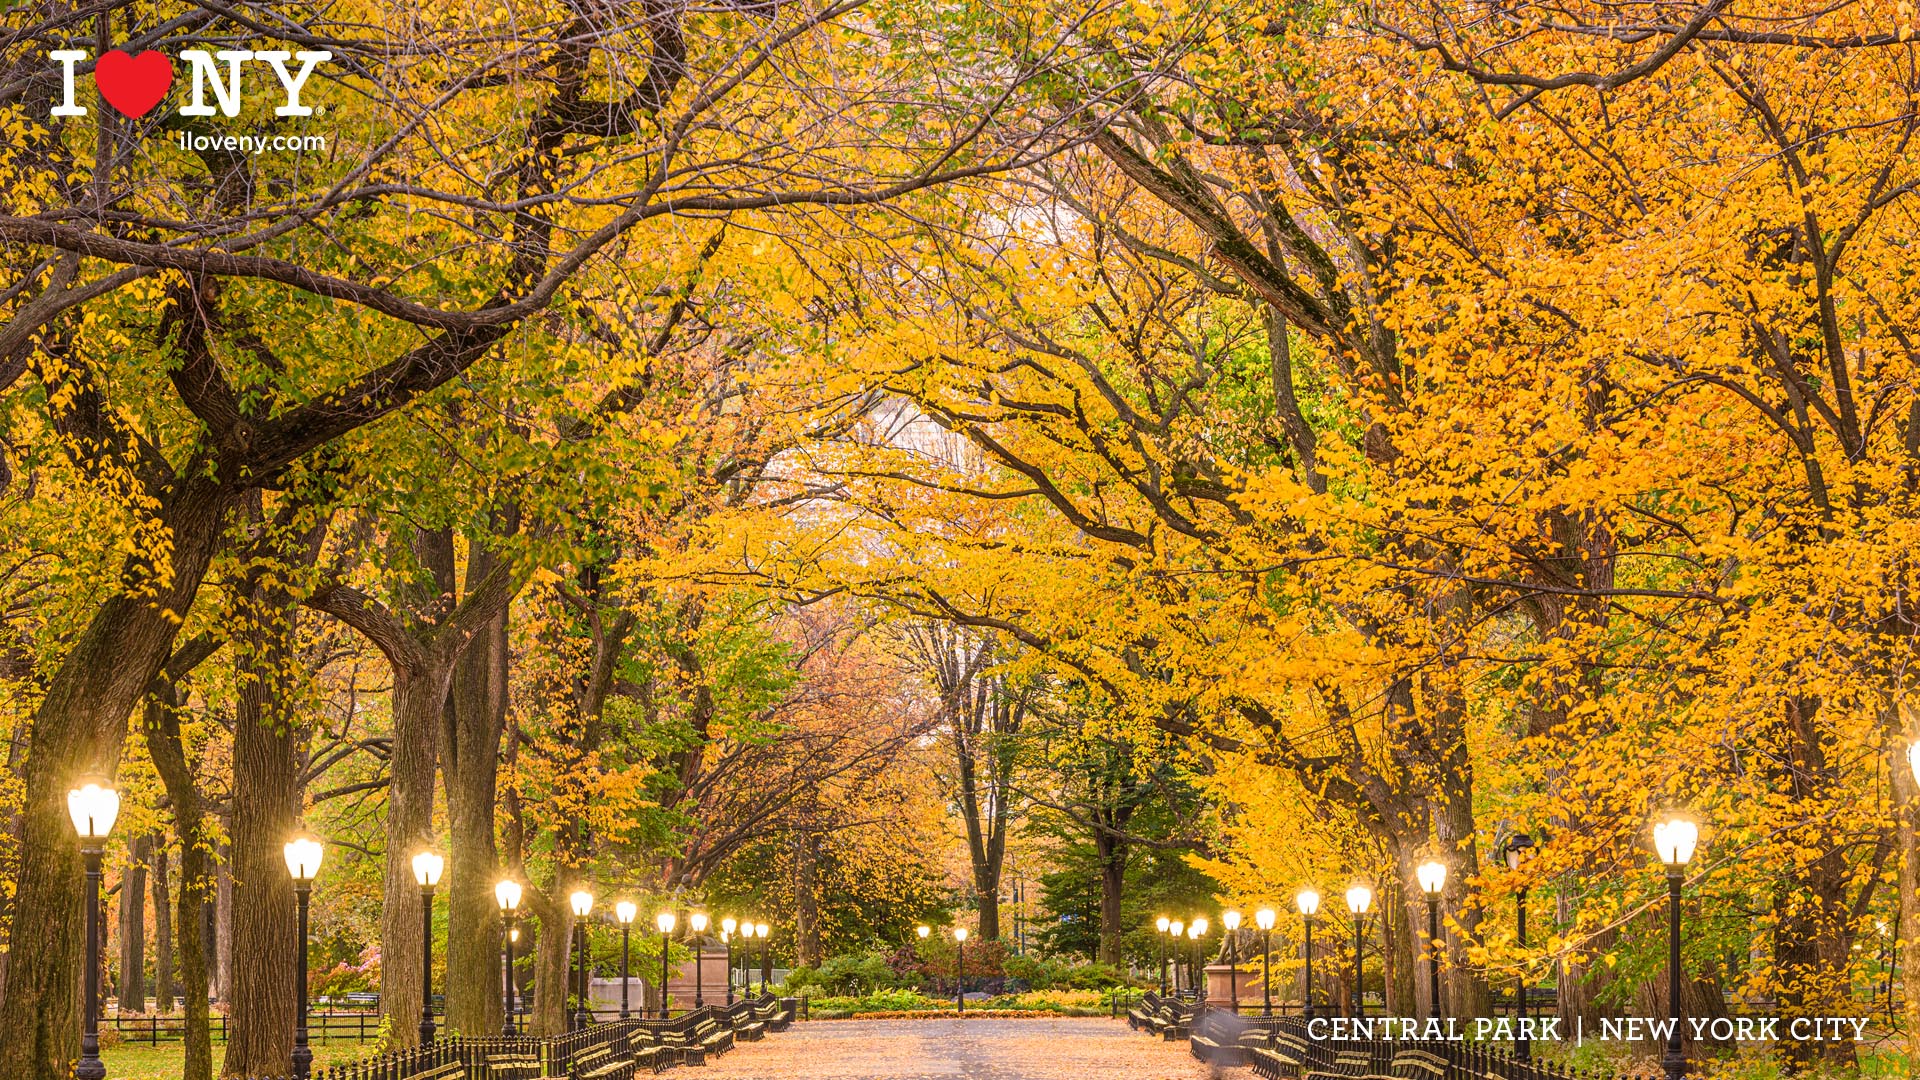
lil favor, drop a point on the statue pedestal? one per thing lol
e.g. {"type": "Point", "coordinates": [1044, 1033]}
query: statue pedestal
{"type": "Point", "coordinates": [1223, 980]}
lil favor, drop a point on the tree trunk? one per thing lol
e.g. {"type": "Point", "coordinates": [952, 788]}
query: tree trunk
{"type": "Point", "coordinates": [1113, 884]}
{"type": "Point", "coordinates": [163, 991]}
{"type": "Point", "coordinates": [132, 985]}
{"type": "Point", "coordinates": [419, 696]}
{"type": "Point", "coordinates": [81, 726]}
{"type": "Point", "coordinates": [423, 655]}
{"type": "Point", "coordinates": [806, 897]}
{"type": "Point", "coordinates": [195, 879]}
{"type": "Point", "coordinates": [469, 766]}
{"type": "Point", "coordinates": [1907, 934]}
{"type": "Point", "coordinates": [552, 956]}
{"type": "Point", "coordinates": [196, 876]}
{"type": "Point", "coordinates": [220, 938]}
{"type": "Point", "coordinates": [266, 812]}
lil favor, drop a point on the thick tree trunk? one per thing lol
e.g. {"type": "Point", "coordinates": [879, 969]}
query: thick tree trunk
{"type": "Point", "coordinates": [79, 727]}
{"type": "Point", "coordinates": [1113, 883]}
{"type": "Point", "coordinates": [469, 767]}
{"type": "Point", "coordinates": [806, 898]}
{"type": "Point", "coordinates": [551, 958]}
{"type": "Point", "coordinates": [266, 812]}
{"type": "Point", "coordinates": [132, 985]}
{"type": "Point", "coordinates": [418, 698]}
{"type": "Point", "coordinates": [163, 991]}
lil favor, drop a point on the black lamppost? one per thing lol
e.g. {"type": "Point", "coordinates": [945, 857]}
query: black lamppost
{"type": "Point", "coordinates": [1176, 930]}
{"type": "Point", "coordinates": [1230, 919]}
{"type": "Point", "coordinates": [1675, 839]}
{"type": "Point", "coordinates": [506, 893]}
{"type": "Point", "coordinates": [426, 873]}
{"type": "Point", "coordinates": [1359, 899]}
{"type": "Point", "coordinates": [1519, 852]}
{"type": "Point", "coordinates": [1264, 920]}
{"type": "Point", "coordinates": [960, 971]}
{"type": "Point", "coordinates": [623, 913]}
{"type": "Point", "coordinates": [1309, 903]}
{"type": "Point", "coordinates": [727, 927]}
{"type": "Point", "coordinates": [582, 904]}
{"type": "Point", "coordinates": [697, 924]}
{"type": "Point", "coordinates": [664, 923]}
{"type": "Point", "coordinates": [761, 930]}
{"type": "Point", "coordinates": [1196, 930]}
{"type": "Point", "coordinates": [303, 862]}
{"type": "Point", "coordinates": [1433, 879]}
{"type": "Point", "coordinates": [1162, 924]}
{"type": "Point", "coordinates": [93, 807]}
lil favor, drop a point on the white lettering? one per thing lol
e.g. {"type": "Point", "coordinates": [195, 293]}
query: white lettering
{"type": "Point", "coordinates": [1322, 1032]}
{"type": "Point", "coordinates": [206, 74]}
{"type": "Point", "coordinates": [66, 58]}
{"type": "Point", "coordinates": [292, 83]}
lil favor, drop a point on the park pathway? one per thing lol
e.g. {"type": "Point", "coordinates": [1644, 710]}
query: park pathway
{"type": "Point", "coordinates": [1064, 1049]}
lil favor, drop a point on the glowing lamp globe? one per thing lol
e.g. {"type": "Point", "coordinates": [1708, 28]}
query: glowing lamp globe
{"type": "Point", "coordinates": [303, 858]}
{"type": "Point", "coordinates": [426, 869]}
{"type": "Point", "coordinates": [93, 806]}
{"type": "Point", "coordinates": [1675, 839]}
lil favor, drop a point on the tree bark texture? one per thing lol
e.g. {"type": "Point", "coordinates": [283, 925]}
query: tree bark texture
{"type": "Point", "coordinates": [132, 984]}
{"type": "Point", "coordinates": [267, 801]}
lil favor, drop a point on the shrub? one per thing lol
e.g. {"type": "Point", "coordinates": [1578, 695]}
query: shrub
{"type": "Point", "coordinates": [853, 973]}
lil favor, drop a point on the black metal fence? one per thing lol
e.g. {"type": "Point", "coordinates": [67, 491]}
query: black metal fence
{"type": "Point", "coordinates": [321, 1027]}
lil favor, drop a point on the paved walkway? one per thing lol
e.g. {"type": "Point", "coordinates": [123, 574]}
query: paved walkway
{"type": "Point", "coordinates": [1068, 1049]}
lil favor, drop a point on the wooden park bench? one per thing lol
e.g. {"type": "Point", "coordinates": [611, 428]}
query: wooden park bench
{"type": "Point", "coordinates": [1418, 1065]}
{"type": "Point", "coordinates": [1140, 1016]}
{"type": "Point", "coordinates": [600, 1063]}
{"type": "Point", "coordinates": [770, 1012]}
{"type": "Point", "coordinates": [745, 1027]}
{"type": "Point", "coordinates": [1347, 1065]}
{"type": "Point", "coordinates": [1214, 1036]}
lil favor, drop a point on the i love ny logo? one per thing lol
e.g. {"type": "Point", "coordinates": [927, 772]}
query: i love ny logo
{"type": "Point", "coordinates": [134, 83]}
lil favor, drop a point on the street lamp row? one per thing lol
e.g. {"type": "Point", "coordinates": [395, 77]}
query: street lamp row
{"type": "Point", "coordinates": [94, 806]}
{"type": "Point", "coordinates": [1675, 840]}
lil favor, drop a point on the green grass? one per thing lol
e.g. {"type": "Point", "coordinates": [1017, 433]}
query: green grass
{"type": "Point", "coordinates": [165, 1062]}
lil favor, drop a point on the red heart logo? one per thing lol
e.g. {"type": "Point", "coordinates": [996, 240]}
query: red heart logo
{"type": "Point", "coordinates": [133, 84]}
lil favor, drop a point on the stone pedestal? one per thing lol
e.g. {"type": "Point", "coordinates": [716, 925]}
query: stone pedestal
{"type": "Point", "coordinates": [1222, 980]}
